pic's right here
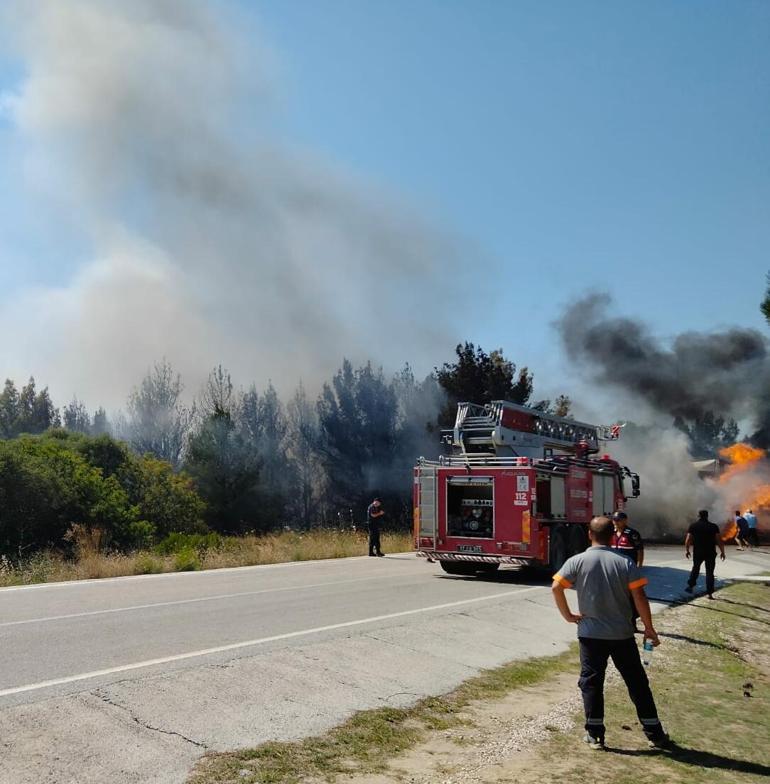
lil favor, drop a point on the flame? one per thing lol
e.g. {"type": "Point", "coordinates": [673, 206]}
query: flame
{"type": "Point", "coordinates": [741, 455]}
{"type": "Point", "coordinates": [744, 459]}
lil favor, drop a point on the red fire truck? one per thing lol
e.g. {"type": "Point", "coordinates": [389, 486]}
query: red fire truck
{"type": "Point", "coordinates": [518, 487]}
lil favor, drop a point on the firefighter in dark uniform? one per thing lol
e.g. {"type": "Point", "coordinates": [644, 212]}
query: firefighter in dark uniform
{"type": "Point", "coordinates": [374, 515]}
{"type": "Point", "coordinates": [626, 540]}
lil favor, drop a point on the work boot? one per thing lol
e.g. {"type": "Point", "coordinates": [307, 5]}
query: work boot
{"type": "Point", "coordinates": [594, 743]}
{"type": "Point", "coordinates": [660, 743]}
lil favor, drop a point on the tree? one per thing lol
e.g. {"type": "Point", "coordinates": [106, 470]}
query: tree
{"type": "Point", "coordinates": [479, 377]}
{"type": "Point", "coordinates": [46, 487]}
{"type": "Point", "coordinates": [100, 424]}
{"type": "Point", "coordinates": [562, 406]}
{"type": "Point", "coordinates": [76, 417]}
{"type": "Point", "coordinates": [9, 409]}
{"type": "Point", "coordinates": [158, 422]}
{"type": "Point", "coordinates": [302, 450]}
{"type": "Point", "coordinates": [708, 433]}
{"type": "Point", "coordinates": [217, 396]}
{"type": "Point", "coordinates": [225, 471]}
{"type": "Point", "coordinates": [358, 420]}
{"type": "Point", "coordinates": [765, 304]}
{"type": "Point", "coordinates": [165, 498]}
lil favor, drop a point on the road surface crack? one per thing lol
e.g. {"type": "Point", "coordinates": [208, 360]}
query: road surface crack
{"type": "Point", "coordinates": [105, 698]}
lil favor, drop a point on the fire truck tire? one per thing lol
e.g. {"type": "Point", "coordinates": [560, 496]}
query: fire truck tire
{"type": "Point", "coordinates": [558, 548]}
{"type": "Point", "coordinates": [578, 541]}
{"type": "Point", "coordinates": [455, 567]}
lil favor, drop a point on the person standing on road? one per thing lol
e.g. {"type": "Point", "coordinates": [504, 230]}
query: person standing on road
{"type": "Point", "coordinates": [374, 515]}
{"type": "Point", "coordinates": [751, 522]}
{"type": "Point", "coordinates": [626, 540]}
{"type": "Point", "coordinates": [742, 526]}
{"type": "Point", "coordinates": [605, 582]}
{"type": "Point", "coordinates": [704, 538]}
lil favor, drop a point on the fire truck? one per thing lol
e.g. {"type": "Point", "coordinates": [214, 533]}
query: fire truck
{"type": "Point", "coordinates": [518, 487]}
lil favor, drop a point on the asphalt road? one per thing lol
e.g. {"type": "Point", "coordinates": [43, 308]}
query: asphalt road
{"type": "Point", "coordinates": [131, 679]}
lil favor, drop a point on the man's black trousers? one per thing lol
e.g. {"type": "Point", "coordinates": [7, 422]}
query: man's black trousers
{"type": "Point", "coordinates": [374, 540]}
{"type": "Point", "coordinates": [710, 560]}
{"type": "Point", "coordinates": [594, 654]}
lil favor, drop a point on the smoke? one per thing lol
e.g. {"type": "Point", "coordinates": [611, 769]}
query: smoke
{"type": "Point", "coordinates": [671, 489]}
{"type": "Point", "coordinates": [726, 372]}
{"type": "Point", "coordinates": [149, 125]}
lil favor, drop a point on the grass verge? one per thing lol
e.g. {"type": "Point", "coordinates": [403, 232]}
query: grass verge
{"type": "Point", "coordinates": [368, 741]}
{"type": "Point", "coordinates": [711, 680]}
{"type": "Point", "coordinates": [231, 551]}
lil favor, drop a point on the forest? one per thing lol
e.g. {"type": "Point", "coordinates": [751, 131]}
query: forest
{"type": "Point", "coordinates": [230, 461]}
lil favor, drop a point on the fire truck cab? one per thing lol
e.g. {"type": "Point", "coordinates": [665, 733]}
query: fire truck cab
{"type": "Point", "coordinates": [518, 487]}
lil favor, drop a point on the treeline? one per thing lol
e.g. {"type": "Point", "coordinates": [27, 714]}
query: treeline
{"type": "Point", "coordinates": [232, 460]}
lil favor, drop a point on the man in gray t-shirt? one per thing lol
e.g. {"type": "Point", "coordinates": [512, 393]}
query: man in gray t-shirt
{"type": "Point", "coordinates": [607, 584]}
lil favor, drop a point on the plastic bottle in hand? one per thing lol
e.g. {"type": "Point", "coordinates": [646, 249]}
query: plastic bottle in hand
{"type": "Point", "coordinates": [647, 649]}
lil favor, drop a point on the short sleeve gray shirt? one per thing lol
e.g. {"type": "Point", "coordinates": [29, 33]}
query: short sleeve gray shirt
{"type": "Point", "coordinates": [603, 580]}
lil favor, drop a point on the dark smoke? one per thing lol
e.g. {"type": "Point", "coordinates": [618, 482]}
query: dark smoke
{"type": "Point", "coordinates": [727, 372]}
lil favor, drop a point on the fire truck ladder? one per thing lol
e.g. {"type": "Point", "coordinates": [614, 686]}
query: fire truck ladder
{"type": "Point", "coordinates": [475, 427]}
{"type": "Point", "coordinates": [482, 430]}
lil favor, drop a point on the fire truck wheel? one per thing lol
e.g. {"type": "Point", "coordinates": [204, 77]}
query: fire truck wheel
{"type": "Point", "coordinates": [454, 567]}
{"type": "Point", "coordinates": [578, 541]}
{"type": "Point", "coordinates": [558, 548]}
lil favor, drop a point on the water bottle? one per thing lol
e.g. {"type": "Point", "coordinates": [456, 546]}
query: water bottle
{"type": "Point", "coordinates": [647, 649]}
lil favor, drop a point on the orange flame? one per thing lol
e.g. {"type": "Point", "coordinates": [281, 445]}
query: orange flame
{"type": "Point", "coordinates": [743, 458]}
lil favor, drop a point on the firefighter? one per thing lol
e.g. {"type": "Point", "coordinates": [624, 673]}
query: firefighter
{"type": "Point", "coordinates": [626, 540]}
{"type": "Point", "coordinates": [374, 515]}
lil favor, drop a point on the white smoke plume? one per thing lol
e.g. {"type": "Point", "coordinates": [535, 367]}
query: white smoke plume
{"type": "Point", "coordinates": [212, 242]}
{"type": "Point", "coordinates": [671, 490]}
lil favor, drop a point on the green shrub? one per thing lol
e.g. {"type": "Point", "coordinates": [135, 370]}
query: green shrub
{"type": "Point", "coordinates": [187, 561]}
{"type": "Point", "coordinates": [48, 481]}
{"type": "Point", "coordinates": [176, 542]}
{"type": "Point", "coordinates": [147, 563]}
{"type": "Point", "coordinates": [141, 534]}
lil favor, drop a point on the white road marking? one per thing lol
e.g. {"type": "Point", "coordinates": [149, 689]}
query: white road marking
{"type": "Point", "coordinates": [163, 575]}
{"type": "Point", "coordinates": [250, 643]}
{"type": "Point", "coordinates": [48, 618]}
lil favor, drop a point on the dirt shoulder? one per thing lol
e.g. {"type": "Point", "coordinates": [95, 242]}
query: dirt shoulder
{"type": "Point", "coordinates": [522, 723]}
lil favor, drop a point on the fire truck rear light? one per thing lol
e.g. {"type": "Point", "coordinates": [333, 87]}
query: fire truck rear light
{"type": "Point", "coordinates": [426, 541]}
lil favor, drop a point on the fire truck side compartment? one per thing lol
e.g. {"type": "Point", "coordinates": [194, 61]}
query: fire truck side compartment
{"type": "Point", "coordinates": [604, 494]}
{"type": "Point", "coordinates": [558, 497]}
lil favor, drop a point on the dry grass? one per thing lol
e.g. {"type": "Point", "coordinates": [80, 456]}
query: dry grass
{"type": "Point", "coordinates": [91, 563]}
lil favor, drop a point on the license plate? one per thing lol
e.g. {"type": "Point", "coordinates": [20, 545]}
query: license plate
{"type": "Point", "coordinates": [470, 548]}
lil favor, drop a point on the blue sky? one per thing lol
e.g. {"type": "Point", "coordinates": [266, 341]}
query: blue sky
{"type": "Point", "coordinates": [621, 146]}
{"type": "Point", "coordinates": [568, 146]}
